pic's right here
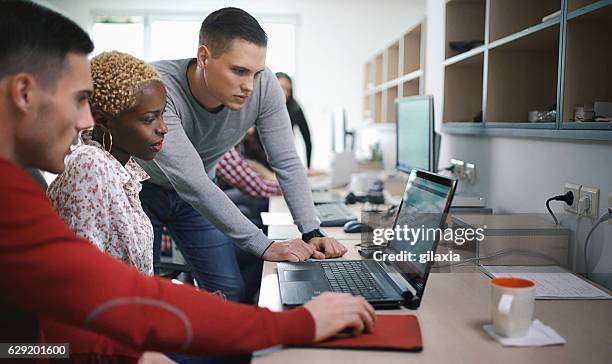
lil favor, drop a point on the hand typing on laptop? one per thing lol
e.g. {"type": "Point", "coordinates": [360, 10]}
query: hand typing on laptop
{"type": "Point", "coordinates": [297, 250]}
{"type": "Point", "coordinates": [335, 312]}
{"type": "Point", "coordinates": [329, 246]}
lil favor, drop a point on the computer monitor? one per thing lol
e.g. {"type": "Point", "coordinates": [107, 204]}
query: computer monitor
{"type": "Point", "coordinates": [416, 140]}
{"type": "Point", "coordinates": [338, 130]}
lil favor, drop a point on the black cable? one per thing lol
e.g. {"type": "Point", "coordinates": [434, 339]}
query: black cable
{"type": "Point", "coordinates": [605, 217]}
{"type": "Point", "coordinates": [568, 198]}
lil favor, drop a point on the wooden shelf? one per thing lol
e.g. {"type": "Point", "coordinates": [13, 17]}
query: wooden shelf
{"type": "Point", "coordinates": [588, 74]}
{"type": "Point", "coordinates": [394, 72]}
{"type": "Point", "coordinates": [378, 70]}
{"type": "Point", "coordinates": [522, 76]}
{"type": "Point", "coordinates": [520, 66]}
{"type": "Point", "coordinates": [392, 94]}
{"type": "Point", "coordinates": [378, 107]}
{"type": "Point", "coordinates": [463, 90]}
{"type": "Point", "coordinates": [411, 88]}
{"type": "Point", "coordinates": [393, 61]}
{"type": "Point", "coordinates": [412, 51]}
{"type": "Point", "coordinates": [511, 16]}
{"type": "Point", "coordinates": [465, 21]}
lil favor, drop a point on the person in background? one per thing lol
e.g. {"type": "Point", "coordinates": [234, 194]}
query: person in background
{"type": "Point", "coordinates": [248, 189]}
{"type": "Point", "coordinates": [236, 172]}
{"type": "Point", "coordinates": [97, 193]}
{"type": "Point", "coordinates": [48, 271]}
{"type": "Point", "coordinates": [295, 113]}
{"type": "Point", "coordinates": [251, 145]}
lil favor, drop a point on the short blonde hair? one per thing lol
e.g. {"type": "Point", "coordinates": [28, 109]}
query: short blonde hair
{"type": "Point", "coordinates": [117, 79]}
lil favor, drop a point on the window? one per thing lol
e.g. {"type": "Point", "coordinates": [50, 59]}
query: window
{"type": "Point", "coordinates": [153, 38]}
{"type": "Point", "coordinates": [281, 47]}
{"type": "Point", "coordinates": [174, 39]}
{"type": "Point", "coordinates": [124, 34]}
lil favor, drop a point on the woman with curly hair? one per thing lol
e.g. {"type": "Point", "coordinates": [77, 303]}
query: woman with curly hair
{"type": "Point", "coordinates": [97, 194]}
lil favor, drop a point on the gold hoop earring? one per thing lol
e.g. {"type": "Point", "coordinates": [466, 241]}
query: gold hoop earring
{"type": "Point", "coordinates": [110, 137]}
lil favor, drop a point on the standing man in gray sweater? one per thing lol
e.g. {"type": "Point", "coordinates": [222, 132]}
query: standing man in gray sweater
{"type": "Point", "coordinates": [212, 101]}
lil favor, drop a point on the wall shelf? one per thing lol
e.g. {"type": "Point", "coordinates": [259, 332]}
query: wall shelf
{"type": "Point", "coordinates": [396, 71]}
{"type": "Point", "coordinates": [512, 16]}
{"type": "Point", "coordinates": [530, 60]}
{"type": "Point", "coordinates": [525, 33]}
{"type": "Point", "coordinates": [522, 76]}
{"type": "Point", "coordinates": [588, 75]}
{"type": "Point", "coordinates": [411, 88]}
{"type": "Point", "coordinates": [463, 90]}
{"type": "Point", "coordinates": [465, 22]}
{"type": "Point", "coordinates": [583, 134]}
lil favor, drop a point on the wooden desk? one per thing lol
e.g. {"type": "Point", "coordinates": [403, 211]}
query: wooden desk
{"type": "Point", "coordinates": [453, 310]}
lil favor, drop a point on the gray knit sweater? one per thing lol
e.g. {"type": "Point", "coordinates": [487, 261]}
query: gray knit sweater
{"type": "Point", "coordinates": [197, 139]}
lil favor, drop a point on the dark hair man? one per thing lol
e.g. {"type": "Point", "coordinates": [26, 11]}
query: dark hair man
{"type": "Point", "coordinates": [212, 101]}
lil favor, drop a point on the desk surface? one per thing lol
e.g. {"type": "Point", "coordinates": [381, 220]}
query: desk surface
{"type": "Point", "coordinates": [454, 309]}
{"type": "Point", "coordinates": [282, 232]}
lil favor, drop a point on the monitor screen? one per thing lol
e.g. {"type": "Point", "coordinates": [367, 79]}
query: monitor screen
{"type": "Point", "coordinates": [415, 133]}
{"type": "Point", "coordinates": [423, 209]}
{"type": "Point", "coordinates": [338, 130]}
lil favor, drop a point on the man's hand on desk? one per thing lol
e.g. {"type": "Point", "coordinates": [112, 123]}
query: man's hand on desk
{"type": "Point", "coordinates": [334, 312]}
{"type": "Point", "coordinates": [329, 246]}
{"type": "Point", "coordinates": [295, 250]}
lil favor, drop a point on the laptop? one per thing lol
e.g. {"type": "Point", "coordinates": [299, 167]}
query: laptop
{"type": "Point", "coordinates": [385, 283]}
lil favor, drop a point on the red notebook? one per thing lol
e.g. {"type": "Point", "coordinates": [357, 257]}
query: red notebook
{"type": "Point", "coordinates": [392, 333]}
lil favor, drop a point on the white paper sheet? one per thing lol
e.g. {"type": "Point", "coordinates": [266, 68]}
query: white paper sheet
{"type": "Point", "coordinates": [552, 282]}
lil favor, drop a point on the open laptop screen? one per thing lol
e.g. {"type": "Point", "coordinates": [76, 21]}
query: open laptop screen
{"type": "Point", "coordinates": [419, 223]}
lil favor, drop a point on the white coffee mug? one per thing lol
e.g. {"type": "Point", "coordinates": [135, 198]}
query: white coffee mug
{"type": "Point", "coordinates": [512, 304]}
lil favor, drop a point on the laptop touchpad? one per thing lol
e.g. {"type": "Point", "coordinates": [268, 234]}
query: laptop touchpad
{"type": "Point", "coordinates": [300, 275]}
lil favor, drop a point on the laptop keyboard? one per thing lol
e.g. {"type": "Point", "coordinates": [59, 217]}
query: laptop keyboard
{"type": "Point", "coordinates": [352, 277]}
{"type": "Point", "coordinates": [334, 214]}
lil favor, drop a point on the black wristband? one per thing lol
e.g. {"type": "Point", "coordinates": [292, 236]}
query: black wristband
{"type": "Point", "coordinates": [316, 233]}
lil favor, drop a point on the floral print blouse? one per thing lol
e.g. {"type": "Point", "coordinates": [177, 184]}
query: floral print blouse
{"type": "Point", "coordinates": [97, 197]}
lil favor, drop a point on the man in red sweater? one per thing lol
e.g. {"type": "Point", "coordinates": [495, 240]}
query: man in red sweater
{"type": "Point", "coordinates": [45, 269]}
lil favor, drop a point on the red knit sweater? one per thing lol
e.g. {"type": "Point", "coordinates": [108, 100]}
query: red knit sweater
{"type": "Point", "coordinates": [46, 270]}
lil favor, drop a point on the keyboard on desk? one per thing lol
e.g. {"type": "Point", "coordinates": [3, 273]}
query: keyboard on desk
{"type": "Point", "coordinates": [334, 214]}
{"type": "Point", "coordinates": [352, 277]}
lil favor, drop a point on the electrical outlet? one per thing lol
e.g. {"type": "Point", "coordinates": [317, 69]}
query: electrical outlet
{"type": "Point", "coordinates": [576, 191]}
{"type": "Point", "coordinates": [470, 172]}
{"type": "Point", "coordinates": [589, 202]}
{"type": "Point", "coordinates": [458, 166]}
{"type": "Point", "coordinates": [465, 171]}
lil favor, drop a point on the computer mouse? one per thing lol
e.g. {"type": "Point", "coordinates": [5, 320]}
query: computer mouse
{"type": "Point", "coordinates": [357, 227]}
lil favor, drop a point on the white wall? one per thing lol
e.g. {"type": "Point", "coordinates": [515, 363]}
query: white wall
{"type": "Point", "coordinates": [334, 40]}
{"type": "Point", "coordinates": [518, 174]}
